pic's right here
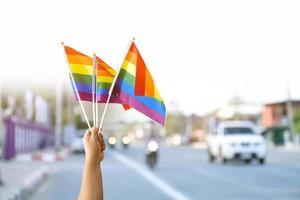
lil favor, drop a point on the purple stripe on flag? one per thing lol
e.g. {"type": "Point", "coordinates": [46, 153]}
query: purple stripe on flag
{"type": "Point", "coordinates": [101, 99]}
{"type": "Point", "coordinates": [132, 102]}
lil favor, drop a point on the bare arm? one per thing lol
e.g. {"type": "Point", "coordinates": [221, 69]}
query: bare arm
{"type": "Point", "coordinates": [91, 185]}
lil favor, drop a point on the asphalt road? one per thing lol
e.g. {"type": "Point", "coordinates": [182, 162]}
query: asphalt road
{"type": "Point", "coordinates": [183, 173]}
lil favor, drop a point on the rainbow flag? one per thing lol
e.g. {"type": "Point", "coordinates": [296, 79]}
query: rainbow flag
{"type": "Point", "coordinates": [135, 87]}
{"type": "Point", "coordinates": [104, 79]}
{"type": "Point", "coordinates": [81, 67]}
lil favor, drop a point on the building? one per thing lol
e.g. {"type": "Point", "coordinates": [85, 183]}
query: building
{"type": "Point", "coordinates": [275, 114]}
{"type": "Point", "coordinates": [275, 119]}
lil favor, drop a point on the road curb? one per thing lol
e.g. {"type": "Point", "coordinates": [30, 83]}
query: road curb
{"type": "Point", "coordinates": [44, 156]}
{"type": "Point", "coordinates": [29, 184]}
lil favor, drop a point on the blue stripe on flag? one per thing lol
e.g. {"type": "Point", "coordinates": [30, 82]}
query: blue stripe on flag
{"type": "Point", "coordinates": [148, 101]}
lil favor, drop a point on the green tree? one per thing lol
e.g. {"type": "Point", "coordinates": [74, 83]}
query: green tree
{"type": "Point", "coordinates": [175, 124]}
{"type": "Point", "coordinates": [297, 121]}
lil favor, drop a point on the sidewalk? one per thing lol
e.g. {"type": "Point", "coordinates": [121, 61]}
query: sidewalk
{"type": "Point", "coordinates": [287, 148]}
{"type": "Point", "coordinates": [19, 178]}
{"type": "Point", "coordinates": [26, 171]}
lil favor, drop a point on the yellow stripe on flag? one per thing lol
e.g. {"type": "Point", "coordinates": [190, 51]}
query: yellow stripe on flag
{"type": "Point", "coordinates": [129, 67]}
{"type": "Point", "coordinates": [156, 94]}
{"type": "Point", "coordinates": [81, 69]}
{"type": "Point", "coordinates": [105, 79]}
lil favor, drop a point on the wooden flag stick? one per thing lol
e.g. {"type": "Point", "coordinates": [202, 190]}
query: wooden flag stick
{"type": "Point", "coordinates": [96, 92]}
{"type": "Point", "coordinates": [76, 91]}
{"type": "Point", "coordinates": [112, 87]}
{"type": "Point", "coordinates": [93, 92]}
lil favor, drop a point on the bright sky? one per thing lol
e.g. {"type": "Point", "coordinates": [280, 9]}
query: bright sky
{"type": "Point", "coordinates": [200, 53]}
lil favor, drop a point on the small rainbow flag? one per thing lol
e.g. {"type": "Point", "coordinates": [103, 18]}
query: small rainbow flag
{"type": "Point", "coordinates": [135, 87]}
{"type": "Point", "coordinates": [81, 67]}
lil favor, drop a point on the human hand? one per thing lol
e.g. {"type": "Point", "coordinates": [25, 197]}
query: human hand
{"type": "Point", "coordinates": [94, 146]}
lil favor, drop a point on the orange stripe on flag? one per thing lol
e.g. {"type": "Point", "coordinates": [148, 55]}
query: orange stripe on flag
{"type": "Point", "coordinates": [102, 72]}
{"type": "Point", "coordinates": [79, 59]}
{"type": "Point", "coordinates": [132, 57]}
{"type": "Point", "coordinates": [149, 87]}
{"type": "Point", "coordinates": [102, 66]}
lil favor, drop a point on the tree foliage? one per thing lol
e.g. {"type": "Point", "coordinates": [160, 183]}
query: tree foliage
{"type": "Point", "coordinates": [297, 121]}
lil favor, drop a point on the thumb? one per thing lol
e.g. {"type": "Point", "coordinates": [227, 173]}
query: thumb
{"type": "Point", "coordinates": [87, 134]}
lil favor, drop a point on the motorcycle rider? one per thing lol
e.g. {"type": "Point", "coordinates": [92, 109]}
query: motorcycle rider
{"type": "Point", "coordinates": [152, 147]}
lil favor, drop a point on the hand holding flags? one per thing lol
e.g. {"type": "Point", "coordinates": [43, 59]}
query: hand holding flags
{"type": "Point", "coordinates": [132, 85]}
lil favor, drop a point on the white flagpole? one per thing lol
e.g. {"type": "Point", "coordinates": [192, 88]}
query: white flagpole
{"type": "Point", "coordinates": [93, 91]}
{"type": "Point", "coordinates": [96, 85]}
{"type": "Point", "coordinates": [112, 87]}
{"type": "Point", "coordinates": [76, 91]}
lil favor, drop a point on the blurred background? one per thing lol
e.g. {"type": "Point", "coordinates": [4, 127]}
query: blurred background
{"type": "Point", "coordinates": [228, 72]}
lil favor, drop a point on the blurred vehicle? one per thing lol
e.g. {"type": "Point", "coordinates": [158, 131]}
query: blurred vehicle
{"type": "Point", "coordinates": [125, 141]}
{"type": "Point", "coordinates": [198, 135]}
{"type": "Point", "coordinates": [236, 140]}
{"type": "Point", "coordinates": [151, 153]}
{"type": "Point", "coordinates": [112, 140]}
{"type": "Point", "coordinates": [77, 143]}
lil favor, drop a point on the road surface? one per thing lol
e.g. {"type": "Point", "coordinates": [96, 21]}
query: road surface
{"type": "Point", "coordinates": [183, 173]}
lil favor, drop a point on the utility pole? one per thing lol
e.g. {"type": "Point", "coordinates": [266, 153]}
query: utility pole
{"type": "Point", "coordinates": [58, 113]}
{"type": "Point", "coordinates": [70, 108]}
{"type": "Point", "coordinates": [290, 115]}
{"type": "Point", "coordinates": [188, 125]}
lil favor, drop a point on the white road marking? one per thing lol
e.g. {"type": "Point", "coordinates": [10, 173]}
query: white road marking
{"type": "Point", "coordinates": [155, 180]}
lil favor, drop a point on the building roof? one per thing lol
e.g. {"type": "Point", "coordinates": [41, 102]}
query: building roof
{"type": "Point", "coordinates": [282, 102]}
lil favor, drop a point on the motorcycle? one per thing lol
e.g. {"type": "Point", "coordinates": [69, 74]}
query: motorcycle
{"type": "Point", "coordinates": [112, 142]}
{"type": "Point", "coordinates": [125, 142]}
{"type": "Point", "coordinates": [151, 153]}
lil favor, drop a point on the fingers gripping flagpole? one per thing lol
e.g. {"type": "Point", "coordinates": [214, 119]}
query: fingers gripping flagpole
{"type": "Point", "coordinates": [111, 89]}
{"type": "Point", "coordinates": [76, 91]}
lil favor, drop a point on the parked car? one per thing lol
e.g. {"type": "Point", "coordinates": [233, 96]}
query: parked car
{"type": "Point", "coordinates": [77, 143]}
{"type": "Point", "coordinates": [237, 140]}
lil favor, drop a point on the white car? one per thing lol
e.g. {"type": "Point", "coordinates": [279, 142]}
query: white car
{"type": "Point", "coordinates": [77, 143]}
{"type": "Point", "coordinates": [237, 140]}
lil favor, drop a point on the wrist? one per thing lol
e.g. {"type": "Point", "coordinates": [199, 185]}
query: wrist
{"type": "Point", "coordinates": [92, 161]}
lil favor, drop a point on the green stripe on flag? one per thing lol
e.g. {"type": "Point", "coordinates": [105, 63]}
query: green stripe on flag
{"type": "Point", "coordinates": [80, 78]}
{"type": "Point", "coordinates": [126, 76]}
{"type": "Point", "coordinates": [87, 79]}
{"type": "Point", "coordinates": [104, 85]}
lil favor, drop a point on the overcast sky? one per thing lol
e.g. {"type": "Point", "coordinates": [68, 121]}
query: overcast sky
{"type": "Point", "coordinates": [200, 53]}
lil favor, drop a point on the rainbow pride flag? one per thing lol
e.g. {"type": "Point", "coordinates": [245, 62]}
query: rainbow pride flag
{"type": "Point", "coordinates": [81, 67]}
{"type": "Point", "coordinates": [135, 87]}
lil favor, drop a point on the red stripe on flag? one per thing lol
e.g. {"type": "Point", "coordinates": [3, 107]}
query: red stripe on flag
{"type": "Point", "coordinates": [70, 50]}
{"type": "Point", "coordinates": [140, 80]}
{"type": "Point", "coordinates": [126, 106]}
